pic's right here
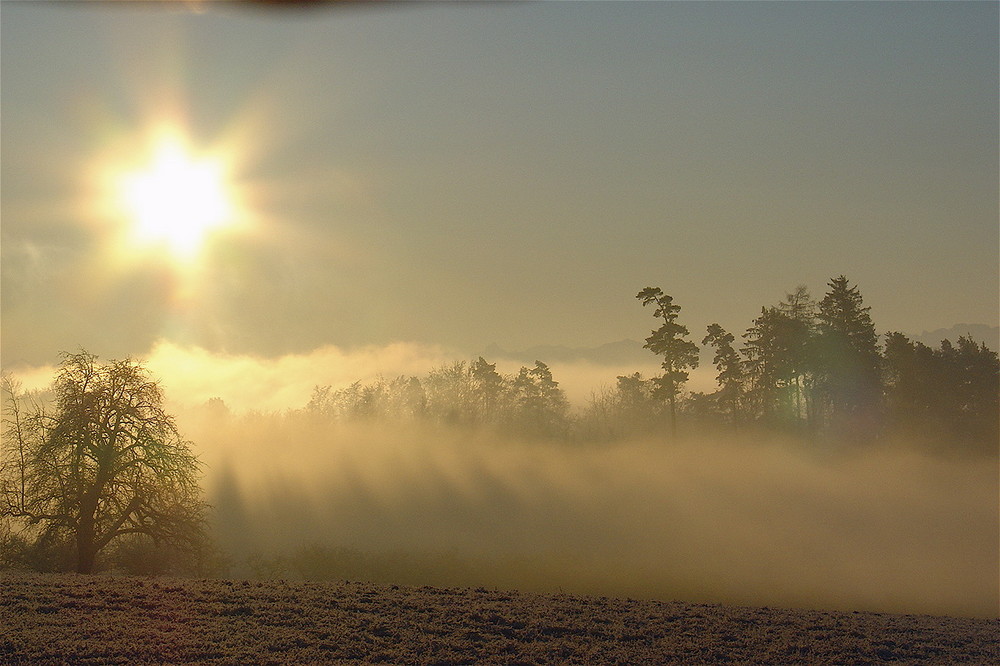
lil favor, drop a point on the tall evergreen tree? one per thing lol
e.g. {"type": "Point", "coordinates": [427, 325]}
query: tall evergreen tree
{"type": "Point", "coordinates": [540, 407]}
{"type": "Point", "coordinates": [779, 367]}
{"type": "Point", "coordinates": [488, 387]}
{"type": "Point", "coordinates": [668, 341]}
{"type": "Point", "coordinates": [800, 332]}
{"type": "Point", "coordinates": [730, 377]}
{"type": "Point", "coordinates": [770, 349]}
{"type": "Point", "coordinates": [848, 357]}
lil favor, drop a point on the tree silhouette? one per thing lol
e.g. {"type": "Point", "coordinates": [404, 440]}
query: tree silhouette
{"type": "Point", "coordinates": [768, 366]}
{"type": "Point", "coordinates": [800, 332]}
{"type": "Point", "coordinates": [909, 384]}
{"type": "Point", "coordinates": [630, 408]}
{"type": "Point", "coordinates": [106, 463]}
{"type": "Point", "coordinates": [488, 386]}
{"type": "Point", "coordinates": [668, 341]}
{"type": "Point", "coordinates": [806, 367]}
{"type": "Point", "coordinates": [539, 405]}
{"type": "Point", "coordinates": [450, 394]}
{"type": "Point", "coordinates": [977, 387]}
{"type": "Point", "coordinates": [778, 362]}
{"type": "Point", "coordinates": [848, 357]}
{"type": "Point", "coordinates": [730, 377]}
{"type": "Point", "coordinates": [949, 394]}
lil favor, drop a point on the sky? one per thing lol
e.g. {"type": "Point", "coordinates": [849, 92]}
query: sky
{"type": "Point", "coordinates": [428, 180]}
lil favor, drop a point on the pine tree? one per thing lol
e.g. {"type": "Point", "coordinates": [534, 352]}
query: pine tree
{"type": "Point", "coordinates": [730, 377]}
{"type": "Point", "coordinates": [668, 341]}
{"type": "Point", "coordinates": [540, 406]}
{"type": "Point", "coordinates": [768, 366]}
{"type": "Point", "coordinates": [848, 357]}
{"type": "Point", "coordinates": [800, 311]}
{"type": "Point", "coordinates": [488, 386]}
{"type": "Point", "coordinates": [778, 366]}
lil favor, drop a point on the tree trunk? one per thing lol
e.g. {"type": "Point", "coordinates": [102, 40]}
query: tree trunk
{"type": "Point", "coordinates": [673, 415]}
{"type": "Point", "coordinates": [86, 546]}
{"type": "Point", "coordinates": [86, 554]}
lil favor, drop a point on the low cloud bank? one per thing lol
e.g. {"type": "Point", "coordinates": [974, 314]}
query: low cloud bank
{"type": "Point", "coordinates": [756, 523]}
{"type": "Point", "coordinates": [191, 375]}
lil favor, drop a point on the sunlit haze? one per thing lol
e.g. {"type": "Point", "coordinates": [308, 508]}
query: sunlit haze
{"type": "Point", "coordinates": [383, 261]}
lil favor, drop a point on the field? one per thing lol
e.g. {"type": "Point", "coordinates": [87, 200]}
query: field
{"type": "Point", "coordinates": [65, 618]}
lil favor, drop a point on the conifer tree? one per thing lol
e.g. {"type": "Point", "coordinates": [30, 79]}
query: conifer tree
{"type": "Point", "coordinates": [768, 366]}
{"type": "Point", "coordinates": [668, 341]}
{"type": "Point", "coordinates": [730, 377]}
{"type": "Point", "coordinates": [848, 356]}
{"type": "Point", "coordinates": [488, 386]}
{"type": "Point", "coordinates": [799, 310]}
{"type": "Point", "coordinates": [540, 406]}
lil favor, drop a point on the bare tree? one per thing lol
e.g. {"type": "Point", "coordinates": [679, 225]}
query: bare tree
{"type": "Point", "coordinates": [108, 461]}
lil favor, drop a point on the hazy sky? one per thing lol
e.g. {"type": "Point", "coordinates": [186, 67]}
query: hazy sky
{"type": "Point", "coordinates": [464, 175]}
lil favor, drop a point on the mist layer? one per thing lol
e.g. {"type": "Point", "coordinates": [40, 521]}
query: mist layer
{"type": "Point", "coordinates": [727, 520]}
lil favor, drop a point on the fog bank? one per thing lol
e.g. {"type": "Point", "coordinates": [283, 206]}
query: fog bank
{"type": "Point", "coordinates": [759, 523]}
{"type": "Point", "coordinates": [191, 375]}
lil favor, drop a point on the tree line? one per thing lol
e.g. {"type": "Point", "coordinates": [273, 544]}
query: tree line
{"type": "Point", "coordinates": [817, 368]}
{"type": "Point", "coordinates": [805, 367]}
{"type": "Point", "coordinates": [528, 403]}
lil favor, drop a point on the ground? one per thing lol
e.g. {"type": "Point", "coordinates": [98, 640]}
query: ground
{"type": "Point", "coordinates": [66, 618]}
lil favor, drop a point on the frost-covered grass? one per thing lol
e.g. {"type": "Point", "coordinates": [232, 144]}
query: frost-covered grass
{"type": "Point", "coordinates": [49, 619]}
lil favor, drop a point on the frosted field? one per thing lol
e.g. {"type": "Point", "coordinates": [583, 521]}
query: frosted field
{"type": "Point", "coordinates": [66, 618]}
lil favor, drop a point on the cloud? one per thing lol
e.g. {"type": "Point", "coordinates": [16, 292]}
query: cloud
{"type": "Point", "coordinates": [191, 375]}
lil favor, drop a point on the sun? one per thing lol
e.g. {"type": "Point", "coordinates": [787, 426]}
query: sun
{"type": "Point", "coordinates": [176, 200]}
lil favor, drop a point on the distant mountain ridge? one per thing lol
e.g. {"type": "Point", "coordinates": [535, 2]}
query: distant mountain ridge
{"type": "Point", "coordinates": [625, 352]}
{"type": "Point", "coordinates": [983, 333]}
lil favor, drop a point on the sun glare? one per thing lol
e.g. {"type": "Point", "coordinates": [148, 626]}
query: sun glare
{"type": "Point", "coordinates": [176, 200]}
